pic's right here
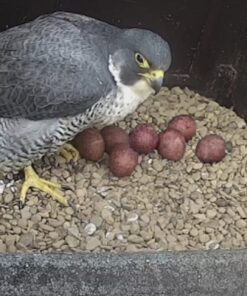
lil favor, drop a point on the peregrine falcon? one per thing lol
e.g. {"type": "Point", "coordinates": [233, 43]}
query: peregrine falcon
{"type": "Point", "coordinates": [64, 72]}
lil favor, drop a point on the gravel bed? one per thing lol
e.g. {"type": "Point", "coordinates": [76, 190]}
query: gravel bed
{"type": "Point", "coordinates": [163, 206]}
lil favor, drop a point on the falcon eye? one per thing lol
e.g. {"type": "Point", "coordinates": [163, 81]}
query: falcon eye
{"type": "Point", "coordinates": [141, 61]}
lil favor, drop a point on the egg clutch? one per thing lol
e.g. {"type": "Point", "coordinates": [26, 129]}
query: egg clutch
{"type": "Point", "coordinates": [123, 148]}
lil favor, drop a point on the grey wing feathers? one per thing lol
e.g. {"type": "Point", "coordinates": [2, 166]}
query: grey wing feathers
{"type": "Point", "coordinates": [52, 69]}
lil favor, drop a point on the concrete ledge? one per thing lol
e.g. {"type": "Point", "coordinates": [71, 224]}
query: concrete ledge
{"type": "Point", "coordinates": [213, 273]}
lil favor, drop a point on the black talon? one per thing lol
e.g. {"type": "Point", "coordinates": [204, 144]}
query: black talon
{"type": "Point", "coordinates": [67, 187]}
{"type": "Point", "coordinates": [21, 205]}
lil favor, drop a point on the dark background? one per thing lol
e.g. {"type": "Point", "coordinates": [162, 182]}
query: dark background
{"type": "Point", "coordinates": [208, 37]}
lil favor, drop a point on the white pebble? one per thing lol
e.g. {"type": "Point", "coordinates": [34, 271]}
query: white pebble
{"type": "Point", "coordinates": [109, 207]}
{"type": "Point", "coordinates": [132, 217]}
{"type": "Point", "coordinates": [11, 183]}
{"type": "Point", "coordinates": [110, 235]}
{"type": "Point", "coordinates": [2, 186]}
{"type": "Point", "coordinates": [212, 245]}
{"type": "Point", "coordinates": [90, 228]}
{"type": "Point", "coordinates": [120, 237]}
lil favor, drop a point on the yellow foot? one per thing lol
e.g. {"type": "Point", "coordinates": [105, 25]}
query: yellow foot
{"type": "Point", "coordinates": [33, 180]}
{"type": "Point", "coordinates": [69, 152]}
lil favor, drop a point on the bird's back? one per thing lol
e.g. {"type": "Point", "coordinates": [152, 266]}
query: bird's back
{"type": "Point", "coordinates": [54, 29]}
{"type": "Point", "coordinates": [55, 66]}
{"type": "Point", "coordinates": [51, 70]}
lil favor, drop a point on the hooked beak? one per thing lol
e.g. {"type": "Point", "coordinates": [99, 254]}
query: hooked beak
{"type": "Point", "coordinates": [155, 79]}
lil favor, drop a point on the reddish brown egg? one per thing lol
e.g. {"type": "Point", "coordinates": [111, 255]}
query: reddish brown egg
{"type": "Point", "coordinates": [90, 144]}
{"type": "Point", "coordinates": [211, 148]}
{"type": "Point", "coordinates": [185, 124]}
{"type": "Point", "coordinates": [123, 160]}
{"type": "Point", "coordinates": [144, 138]}
{"type": "Point", "coordinates": [114, 135]}
{"type": "Point", "coordinates": [171, 144]}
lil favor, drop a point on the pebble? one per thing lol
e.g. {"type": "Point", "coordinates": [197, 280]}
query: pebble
{"type": "Point", "coordinates": [26, 239]}
{"type": "Point", "coordinates": [25, 213]}
{"type": "Point", "coordinates": [180, 224]}
{"type": "Point", "coordinates": [53, 235]}
{"type": "Point", "coordinates": [194, 232]}
{"type": "Point", "coordinates": [7, 217]}
{"type": "Point", "coordinates": [131, 248]}
{"type": "Point", "coordinates": [36, 218]}
{"type": "Point", "coordinates": [58, 244]}
{"type": "Point", "coordinates": [211, 213]}
{"type": "Point", "coordinates": [110, 236]}
{"type": "Point", "coordinates": [146, 235]}
{"type": "Point", "coordinates": [157, 165]}
{"type": "Point", "coordinates": [134, 228]}
{"type": "Point", "coordinates": [144, 179]}
{"type": "Point", "coordinates": [8, 197]}
{"type": "Point", "coordinates": [74, 231]}
{"type": "Point", "coordinates": [135, 239]}
{"type": "Point", "coordinates": [241, 223]}
{"type": "Point", "coordinates": [229, 146]}
{"type": "Point", "coordinates": [241, 212]}
{"type": "Point", "coordinates": [72, 241]}
{"type": "Point", "coordinates": [69, 211]}
{"type": "Point", "coordinates": [3, 247]}
{"type": "Point", "coordinates": [44, 213]}
{"type": "Point", "coordinates": [66, 225]}
{"type": "Point", "coordinates": [200, 217]}
{"type": "Point", "coordinates": [132, 217]}
{"type": "Point", "coordinates": [57, 222]}
{"type": "Point", "coordinates": [120, 237]}
{"type": "Point", "coordinates": [231, 213]}
{"type": "Point", "coordinates": [90, 228]}
{"type": "Point", "coordinates": [2, 187]}
{"type": "Point", "coordinates": [92, 243]}
{"type": "Point", "coordinates": [2, 229]}
{"type": "Point", "coordinates": [204, 238]}
{"type": "Point", "coordinates": [10, 240]}
{"type": "Point", "coordinates": [22, 223]}
{"type": "Point", "coordinates": [171, 238]}
{"type": "Point", "coordinates": [145, 218]}
{"type": "Point", "coordinates": [81, 192]}
{"type": "Point", "coordinates": [221, 202]}
{"type": "Point", "coordinates": [46, 227]}
{"type": "Point", "coordinates": [96, 220]}
{"type": "Point", "coordinates": [100, 205]}
{"type": "Point", "coordinates": [107, 216]}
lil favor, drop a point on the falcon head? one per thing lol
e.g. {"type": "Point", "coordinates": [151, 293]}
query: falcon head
{"type": "Point", "coordinates": [139, 59]}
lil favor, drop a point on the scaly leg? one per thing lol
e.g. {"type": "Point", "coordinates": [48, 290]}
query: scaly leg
{"type": "Point", "coordinates": [33, 180]}
{"type": "Point", "coordinates": [69, 152]}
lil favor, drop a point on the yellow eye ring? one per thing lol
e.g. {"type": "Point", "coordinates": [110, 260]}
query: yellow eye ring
{"type": "Point", "coordinates": [141, 61]}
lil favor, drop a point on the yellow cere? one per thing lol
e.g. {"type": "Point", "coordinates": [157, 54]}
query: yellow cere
{"type": "Point", "coordinates": [154, 74]}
